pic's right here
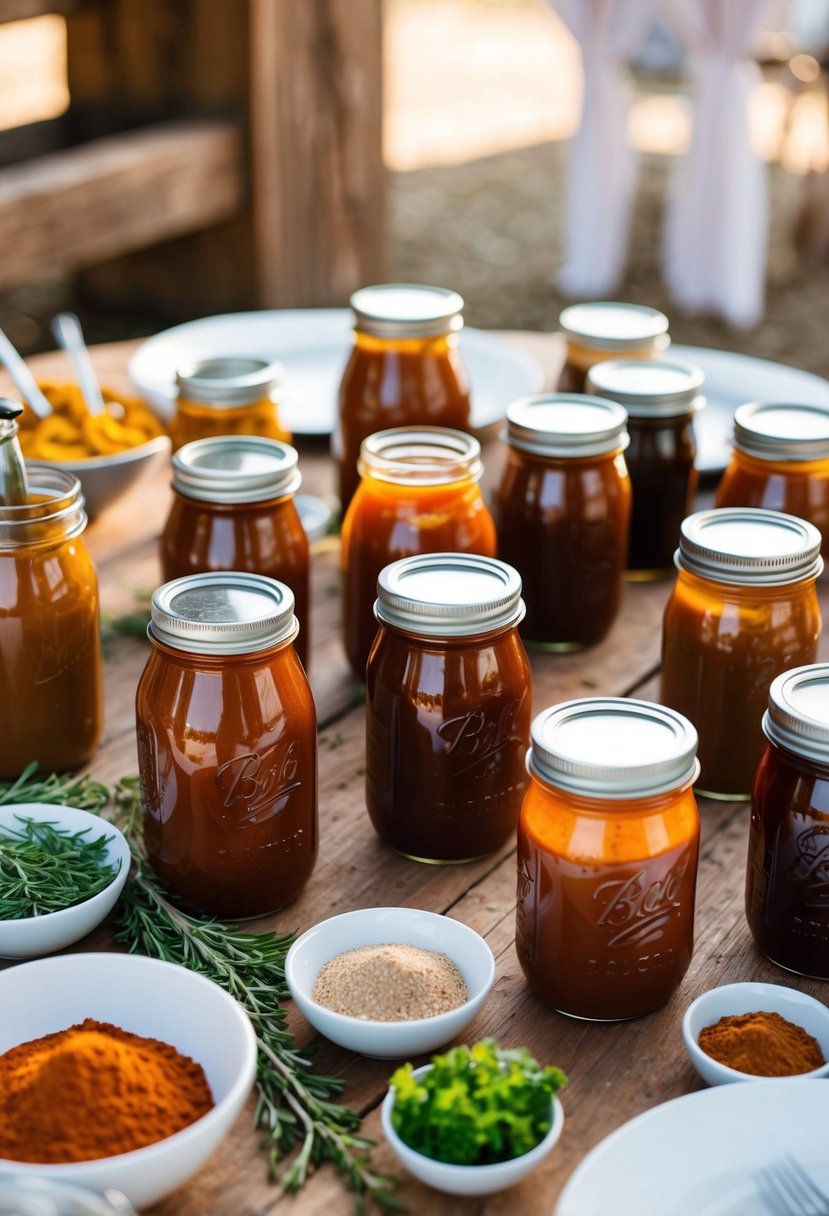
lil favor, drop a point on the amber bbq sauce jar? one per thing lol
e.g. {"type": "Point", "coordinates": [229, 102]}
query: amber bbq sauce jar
{"type": "Point", "coordinates": [404, 370]}
{"type": "Point", "coordinates": [562, 511]}
{"type": "Point", "coordinates": [744, 608]}
{"type": "Point", "coordinates": [661, 400]}
{"type": "Point", "coordinates": [51, 671]}
{"type": "Point", "coordinates": [787, 877]}
{"type": "Point", "coordinates": [780, 462]}
{"type": "Point", "coordinates": [233, 509]}
{"type": "Point", "coordinates": [227, 745]}
{"type": "Point", "coordinates": [608, 845]}
{"type": "Point", "coordinates": [419, 493]}
{"type": "Point", "coordinates": [447, 707]}
{"type": "Point", "coordinates": [232, 395]}
{"type": "Point", "coordinates": [608, 329]}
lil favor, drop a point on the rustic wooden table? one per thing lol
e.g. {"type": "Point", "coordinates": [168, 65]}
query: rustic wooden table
{"type": "Point", "coordinates": [616, 1070]}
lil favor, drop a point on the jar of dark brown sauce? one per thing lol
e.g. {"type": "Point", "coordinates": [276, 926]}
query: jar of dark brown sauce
{"type": "Point", "coordinates": [661, 400]}
{"type": "Point", "coordinates": [608, 329]}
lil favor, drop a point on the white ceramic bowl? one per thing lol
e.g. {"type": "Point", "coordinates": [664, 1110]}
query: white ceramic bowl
{"type": "Point", "coordinates": [734, 999]}
{"type": "Point", "coordinates": [468, 1179]}
{"type": "Point", "coordinates": [36, 935]}
{"type": "Point", "coordinates": [377, 926]}
{"type": "Point", "coordinates": [150, 998]}
{"type": "Point", "coordinates": [105, 479]}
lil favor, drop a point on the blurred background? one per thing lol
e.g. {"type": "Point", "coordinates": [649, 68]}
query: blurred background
{"type": "Point", "coordinates": [161, 160]}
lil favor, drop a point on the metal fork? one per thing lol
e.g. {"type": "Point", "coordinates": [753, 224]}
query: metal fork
{"type": "Point", "coordinates": [789, 1191]}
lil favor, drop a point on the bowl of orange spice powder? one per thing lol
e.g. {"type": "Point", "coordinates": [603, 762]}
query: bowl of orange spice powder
{"type": "Point", "coordinates": [753, 1031]}
{"type": "Point", "coordinates": [118, 1071]}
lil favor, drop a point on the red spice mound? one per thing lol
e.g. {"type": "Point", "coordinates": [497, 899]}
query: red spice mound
{"type": "Point", "coordinates": [762, 1044]}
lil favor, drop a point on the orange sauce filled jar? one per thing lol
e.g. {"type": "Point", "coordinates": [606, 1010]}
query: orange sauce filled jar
{"type": "Point", "coordinates": [232, 395]}
{"type": "Point", "coordinates": [447, 707]}
{"type": "Point", "coordinates": [608, 845]}
{"type": "Point", "coordinates": [608, 329]}
{"type": "Point", "coordinates": [51, 673]}
{"type": "Point", "coordinates": [563, 513]}
{"type": "Point", "coordinates": [661, 400]}
{"type": "Point", "coordinates": [780, 462]}
{"type": "Point", "coordinates": [405, 369]}
{"type": "Point", "coordinates": [787, 876]}
{"type": "Point", "coordinates": [419, 493]}
{"type": "Point", "coordinates": [744, 609]}
{"type": "Point", "coordinates": [233, 509]}
{"type": "Point", "coordinates": [227, 745]}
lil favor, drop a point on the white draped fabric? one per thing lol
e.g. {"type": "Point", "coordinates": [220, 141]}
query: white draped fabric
{"type": "Point", "coordinates": [601, 170]}
{"type": "Point", "coordinates": [716, 224]}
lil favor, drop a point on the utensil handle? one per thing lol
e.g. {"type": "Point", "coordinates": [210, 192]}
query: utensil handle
{"type": "Point", "coordinates": [24, 381]}
{"type": "Point", "coordinates": [67, 330]}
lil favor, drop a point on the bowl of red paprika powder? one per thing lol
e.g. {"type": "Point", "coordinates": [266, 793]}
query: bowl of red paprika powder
{"type": "Point", "coordinates": [754, 1031]}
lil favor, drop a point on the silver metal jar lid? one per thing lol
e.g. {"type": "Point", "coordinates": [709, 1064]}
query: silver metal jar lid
{"type": "Point", "coordinates": [649, 388]}
{"type": "Point", "coordinates": [449, 595]}
{"type": "Point", "coordinates": [781, 431]}
{"type": "Point", "coordinates": [407, 310]}
{"type": "Point", "coordinates": [228, 381]}
{"type": "Point", "coordinates": [749, 546]}
{"type": "Point", "coordinates": [798, 714]}
{"type": "Point", "coordinates": [421, 455]}
{"type": "Point", "coordinates": [612, 325]}
{"type": "Point", "coordinates": [613, 747]}
{"type": "Point", "coordinates": [567, 424]}
{"type": "Point", "coordinates": [236, 469]}
{"type": "Point", "coordinates": [223, 613]}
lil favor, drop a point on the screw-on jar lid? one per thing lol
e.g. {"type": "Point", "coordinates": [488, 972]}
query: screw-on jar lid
{"type": "Point", "coordinates": [648, 388]}
{"type": "Point", "coordinates": [611, 325]}
{"type": "Point", "coordinates": [449, 595]}
{"type": "Point", "coordinates": [229, 381]}
{"type": "Point", "coordinates": [747, 545]}
{"type": "Point", "coordinates": [782, 432]}
{"type": "Point", "coordinates": [798, 714]}
{"type": "Point", "coordinates": [223, 613]}
{"type": "Point", "coordinates": [407, 310]}
{"type": "Point", "coordinates": [566, 424]}
{"type": "Point", "coordinates": [613, 747]}
{"type": "Point", "coordinates": [236, 469]}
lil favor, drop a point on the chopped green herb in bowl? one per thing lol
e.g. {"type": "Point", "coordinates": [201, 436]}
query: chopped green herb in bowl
{"type": "Point", "coordinates": [476, 1119]}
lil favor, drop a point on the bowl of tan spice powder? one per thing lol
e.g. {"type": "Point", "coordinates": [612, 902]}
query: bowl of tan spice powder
{"type": "Point", "coordinates": [754, 1031]}
{"type": "Point", "coordinates": [390, 982]}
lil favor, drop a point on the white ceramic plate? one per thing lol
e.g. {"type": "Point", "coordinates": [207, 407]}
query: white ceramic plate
{"type": "Point", "coordinates": [732, 379]}
{"type": "Point", "coordinates": [313, 345]}
{"type": "Point", "coordinates": [699, 1155]}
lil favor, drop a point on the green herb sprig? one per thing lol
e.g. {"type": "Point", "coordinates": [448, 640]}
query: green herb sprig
{"type": "Point", "coordinates": [45, 868]}
{"type": "Point", "coordinates": [475, 1106]}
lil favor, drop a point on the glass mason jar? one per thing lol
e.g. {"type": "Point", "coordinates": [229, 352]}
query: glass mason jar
{"type": "Point", "coordinates": [233, 509]}
{"type": "Point", "coordinates": [447, 707]}
{"type": "Point", "coordinates": [231, 395]}
{"type": "Point", "coordinates": [227, 745]}
{"type": "Point", "coordinates": [608, 329]}
{"type": "Point", "coordinates": [51, 672]}
{"type": "Point", "coordinates": [419, 493]}
{"type": "Point", "coordinates": [562, 511]}
{"type": "Point", "coordinates": [661, 399]}
{"type": "Point", "coordinates": [405, 369]}
{"type": "Point", "coordinates": [787, 875]}
{"type": "Point", "coordinates": [744, 609]}
{"type": "Point", "coordinates": [780, 462]}
{"type": "Point", "coordinates": [608, 845]}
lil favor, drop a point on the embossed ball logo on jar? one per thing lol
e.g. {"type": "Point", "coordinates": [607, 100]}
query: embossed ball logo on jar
{"type": "Point", "coordinates": [258, 784]}
{"type": "Point", "coordinates": [474, 738]}
{"type": "Point", "coordinates": [640, 910]}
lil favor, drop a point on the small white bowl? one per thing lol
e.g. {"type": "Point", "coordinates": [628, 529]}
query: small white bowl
{"type": "Point", "coordinates": [733, 999]}
{"type": "Point", "coordinates": [150, 998]}
{"type": "Point", "coordinates": [105, 479]}
{"type": "Point", "coordinates": [36, 935]}
{"type": "Point", "coordinates": [468, 1179]}
{"type": "Point", "coordinates": [378, 926]}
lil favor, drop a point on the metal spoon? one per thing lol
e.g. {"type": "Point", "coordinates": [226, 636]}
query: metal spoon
{"type": "Point", "coordinates": [68, 333]}
{"type": "Point", "coordinates": [24, 381]}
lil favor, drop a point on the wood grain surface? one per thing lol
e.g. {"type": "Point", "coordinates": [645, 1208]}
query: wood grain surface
{"type": "Point", "coordinates": [616, 1070]}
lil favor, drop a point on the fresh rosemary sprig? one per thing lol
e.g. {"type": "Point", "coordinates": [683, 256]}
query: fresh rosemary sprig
{"type": "Point", "coordinates": [45, 868]}
{"type": "Point", "coordinates": [81, 792]}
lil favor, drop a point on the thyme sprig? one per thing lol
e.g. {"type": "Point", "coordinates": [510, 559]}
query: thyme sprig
{"type": "Point", "coordinates": [46, 868]}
